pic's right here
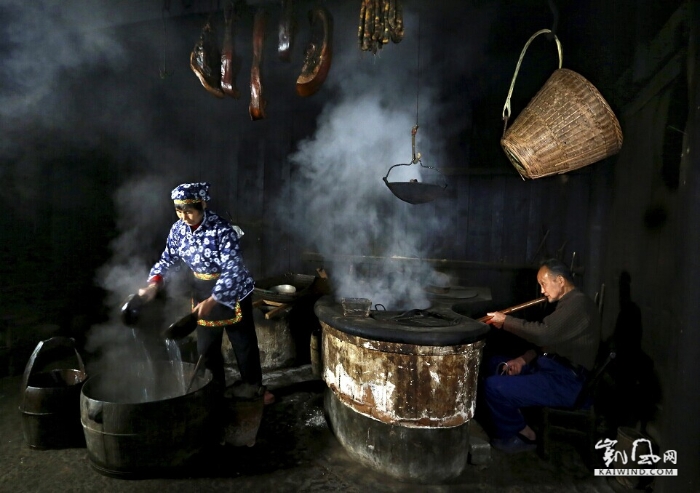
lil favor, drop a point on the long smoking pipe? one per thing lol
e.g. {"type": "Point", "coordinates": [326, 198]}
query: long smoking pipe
{"type": "Point", "coordinates": [515, 308]}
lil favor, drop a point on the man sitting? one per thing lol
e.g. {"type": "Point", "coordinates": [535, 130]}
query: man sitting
{"type": "Point", "coordinates": [569, 338]}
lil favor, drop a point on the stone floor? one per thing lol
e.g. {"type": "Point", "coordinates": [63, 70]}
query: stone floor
{"type": "Point", "coordinates": [295, 452]}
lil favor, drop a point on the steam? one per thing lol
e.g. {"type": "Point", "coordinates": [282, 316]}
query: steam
{"type": "Point", "coordinates": [79, 76]}
{"type": "Point", "coordinates": [340, 204]}
{"type": "Point", "coordinates": [45, 45]}
{"type": "Point", "coordinates": [142, 214]}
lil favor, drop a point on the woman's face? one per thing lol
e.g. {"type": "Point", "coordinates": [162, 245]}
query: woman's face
{"type": "Point", "coordinates": [188, 214]}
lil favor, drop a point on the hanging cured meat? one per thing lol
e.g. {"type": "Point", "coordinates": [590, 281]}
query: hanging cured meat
{"type": "Point", "coordinates": [205, 61]}
{"type": "Point", "coordinates": [286, 31]}
{"type": "Point", "coordinates": [319, 52]}
{"type": "Point", "coordinates": [228, 56]}
{"type": "Point", "coordinates": [380, 21]}
{"type": "Point", "coordinates": [257, 101]}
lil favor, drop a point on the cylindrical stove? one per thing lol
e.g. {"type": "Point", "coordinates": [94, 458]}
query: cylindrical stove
{"type": "Point", "coordinates": [402, 387]}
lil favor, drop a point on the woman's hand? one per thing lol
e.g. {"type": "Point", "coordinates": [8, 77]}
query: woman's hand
{"type": "Point", "coordinates": [149, 292]}
{"type": "Point", "coordinates": [205, 307]}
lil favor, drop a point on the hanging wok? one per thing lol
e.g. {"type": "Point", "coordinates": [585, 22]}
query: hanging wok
{"type": "Point", "coordinates": [413, 191]}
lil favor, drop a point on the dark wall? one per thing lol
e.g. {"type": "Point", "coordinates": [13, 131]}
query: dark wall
{"type": "Point", "coordinates": [103, 117]}
{"type": "Point", "coordinates": [89, 163]}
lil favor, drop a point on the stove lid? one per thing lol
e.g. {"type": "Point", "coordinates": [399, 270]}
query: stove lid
{"type": "Point", "coordinates": [437, 326]}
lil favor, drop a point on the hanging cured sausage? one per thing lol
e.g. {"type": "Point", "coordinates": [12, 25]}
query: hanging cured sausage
{"type": "Point", "coordinates": [380, 21]}
{"type": "Point", "coordinates": [228, 56]}
{"type": "Point", "coordinates": [205, 61]}
{"type": "Point", "coordinates": [319, 52]}
{"type": "Point", "coordinates": [257, 101]}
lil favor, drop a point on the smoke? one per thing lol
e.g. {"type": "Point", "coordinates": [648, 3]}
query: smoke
{"type": "Point", "coordinates": [143, 216]}
{"type": "Point", "coordinates": [42, 45]}
{"type": "Point", "coordinates": [341, 206]}
{"type": "Point", "coordinates": [80, 75]}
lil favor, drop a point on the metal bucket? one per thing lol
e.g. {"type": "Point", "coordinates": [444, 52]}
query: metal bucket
{"type": "Point", "coordinates": [51, 399]}
{"type": "Point", "coordinates": [129, 434]}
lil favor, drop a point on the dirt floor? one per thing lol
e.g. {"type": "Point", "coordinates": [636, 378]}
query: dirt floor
{"type": "Point", "coordinates": [295, 451]}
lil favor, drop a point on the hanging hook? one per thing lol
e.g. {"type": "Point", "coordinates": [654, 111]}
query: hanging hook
{"type": "Point", "coordinates": [416, 156]}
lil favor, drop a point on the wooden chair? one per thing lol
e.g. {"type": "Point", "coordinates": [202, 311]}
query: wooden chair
{"type": "Point", "coordinates": [581, 420]}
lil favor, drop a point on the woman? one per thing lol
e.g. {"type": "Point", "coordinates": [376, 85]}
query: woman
{"type": "Point", "coordinates": [222, 290]}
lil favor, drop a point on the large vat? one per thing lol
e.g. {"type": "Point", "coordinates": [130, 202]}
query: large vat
{"type": "Point", "coordinates": [129, 433]}
{"type": "Point", "coordinates": [400, 396]}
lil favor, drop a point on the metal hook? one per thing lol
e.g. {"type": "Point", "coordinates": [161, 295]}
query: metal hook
{"type": "Point", "coordinates": [416, 157]}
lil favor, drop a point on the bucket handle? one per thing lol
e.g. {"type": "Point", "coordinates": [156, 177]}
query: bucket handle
{"type": "Point", "coordinates": [47, 345]}
{"type": "Point", "coordinates": [506, 107]}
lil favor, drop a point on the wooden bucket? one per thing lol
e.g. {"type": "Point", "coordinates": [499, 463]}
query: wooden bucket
{"type": "Point", "coordinates": [50, 403]}
{"type": "Point", "coordinates": [129, 435]}
{"type": "Point", "coordinates": [566, 126]}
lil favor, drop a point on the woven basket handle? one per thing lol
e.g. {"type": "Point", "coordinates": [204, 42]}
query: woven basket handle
{"type": "Point", "coordinates": [506, 107]}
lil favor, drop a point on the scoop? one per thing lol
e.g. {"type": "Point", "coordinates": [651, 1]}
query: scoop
{"type": "Point", "coordinates": [182, 327]}
{"type": "Point", "coordinates": [131, 309]}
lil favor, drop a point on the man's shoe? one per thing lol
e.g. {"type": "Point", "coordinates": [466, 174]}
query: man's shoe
{"type": "Point", "coordinates": [268, 398]}
{"type": "Point", "coordinates": [513, 445]}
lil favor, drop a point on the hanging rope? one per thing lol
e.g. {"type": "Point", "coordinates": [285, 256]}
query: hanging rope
{"type": "Point", "coordinates": [163, 69]}
{"type": "Point", "coordinates": [418, 74]}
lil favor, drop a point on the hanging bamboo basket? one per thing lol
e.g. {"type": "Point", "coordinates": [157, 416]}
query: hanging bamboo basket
{"type": "Point", "coordinates": [566, 126]}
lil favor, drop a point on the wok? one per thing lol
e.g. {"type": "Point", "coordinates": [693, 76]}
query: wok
{"type": "Point", "coordinates": [131, 309]}
{"type": "Point", "coordinates": [413, 191]}
{"type": "Point", "coordinates": [182, 327]}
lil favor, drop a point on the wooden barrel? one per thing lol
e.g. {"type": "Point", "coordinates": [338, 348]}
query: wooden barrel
{"type": "Point", "coordinates": [50, 403]}
{"type": "Point", "coordinates": [127, 436]}
{"type": "Point", "coordinates": [400, 397]}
